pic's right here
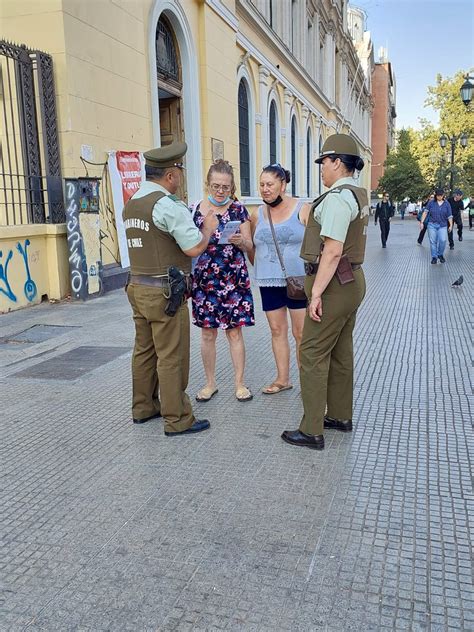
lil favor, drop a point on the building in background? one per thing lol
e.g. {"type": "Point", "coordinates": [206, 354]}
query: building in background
{"type": "Point", "coordinates": [384, 115]}
{"type": "Point", "coordinates": [253, 81]}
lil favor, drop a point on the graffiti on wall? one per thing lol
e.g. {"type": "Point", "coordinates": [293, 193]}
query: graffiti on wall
{"type": "Point", "coordinates": [77, 261]}
{"type": "Point", "coordinates": [108, 226]}
{"type": "Point", "coordinates": [7, 290]}
{"type": "Point", "coordinates": [29, 288]}
{"type": "Point", "coordinates": [82, 223]}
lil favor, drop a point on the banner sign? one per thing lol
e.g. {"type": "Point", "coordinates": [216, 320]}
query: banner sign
{"type": "Point", "coordinates": [127, 172]}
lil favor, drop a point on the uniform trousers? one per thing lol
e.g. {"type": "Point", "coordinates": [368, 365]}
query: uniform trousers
{"type": "Point", "coordinates": [160, 362]}
{"type": "Point", "coordinates": [326, 354]}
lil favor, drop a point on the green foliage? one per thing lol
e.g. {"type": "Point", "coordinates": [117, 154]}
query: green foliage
{"type": "Point", "coordinates": [455, 119]}
{"type": "Point", "coordinates": [403, 177]}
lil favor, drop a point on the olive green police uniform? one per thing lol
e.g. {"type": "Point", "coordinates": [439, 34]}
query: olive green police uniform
{"type": "Point", "coordinates": [326, 352]}
{"type": "Point", "coordinates": [157, 228]}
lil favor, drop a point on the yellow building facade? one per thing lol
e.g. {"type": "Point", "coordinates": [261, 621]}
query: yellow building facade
{"type": "Point", "coordinates": [254, 82]}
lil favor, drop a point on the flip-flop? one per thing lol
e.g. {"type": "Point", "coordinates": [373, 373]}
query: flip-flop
{"type": "Point", "coordinates": [275, 388]}
{"type": "Point", "coordinates": [205, 394]}
{"type": "Point", "coordinates": [243, 394]}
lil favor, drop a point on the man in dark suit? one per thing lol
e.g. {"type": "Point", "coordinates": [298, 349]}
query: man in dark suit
{"type": "Point", "coordinates": [383, 213]}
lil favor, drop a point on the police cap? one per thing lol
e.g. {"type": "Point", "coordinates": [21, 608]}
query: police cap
{"type": "Point", "coordinates": [166, 156]}
{"type": "Point", "coordinates": [338, 144]}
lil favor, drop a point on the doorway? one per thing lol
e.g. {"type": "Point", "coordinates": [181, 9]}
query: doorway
{"type": "Point", "coordinates": [170, 85]}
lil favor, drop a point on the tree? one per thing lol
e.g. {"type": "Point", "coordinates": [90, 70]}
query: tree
{"type": "Point", "coordinates": [402, 177]}
{"type": "Point", "coordinates": [454, 119]}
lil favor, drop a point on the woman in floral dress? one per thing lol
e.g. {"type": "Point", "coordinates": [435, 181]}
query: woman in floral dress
{"type": "Point", "coordinates": [221, 295]}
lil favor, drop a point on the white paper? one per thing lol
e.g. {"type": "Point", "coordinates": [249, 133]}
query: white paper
{"type": "Point", "coordinates": [229, 229]}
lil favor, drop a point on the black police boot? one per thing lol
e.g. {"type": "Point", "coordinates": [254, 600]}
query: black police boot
{"type": "Point", "coordinates": [300, 439]}
{"type": "Point", "coordinates": [344, 425]}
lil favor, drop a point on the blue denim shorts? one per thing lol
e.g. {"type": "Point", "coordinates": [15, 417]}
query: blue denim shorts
{"type": "Point", "coordinates": [275, 297]}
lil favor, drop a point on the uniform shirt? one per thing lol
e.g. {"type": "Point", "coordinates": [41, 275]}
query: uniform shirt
{"type": "Point", "coordinates": [337, 211]}
{"type": "Point", "coordinates": [172, 216]}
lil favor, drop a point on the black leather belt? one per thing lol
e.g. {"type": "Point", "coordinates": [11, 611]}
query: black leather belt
{"type": "Point", "coordinates": [143, 279]}
{"type": "Point", "coordinates": [312, 268]}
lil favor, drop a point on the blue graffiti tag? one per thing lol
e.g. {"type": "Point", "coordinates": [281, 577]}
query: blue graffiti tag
{"type": "Point", "coordinates": [4, 277]}
{"type": "Point", "coordinates": [30, 285]}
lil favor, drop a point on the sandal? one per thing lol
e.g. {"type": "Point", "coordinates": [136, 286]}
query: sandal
{"type": "Point", "coordinates": [206, 393]}
{"type": "Point", "coordinates": [243, 394]}
{"type": "Point", "coordinates": [276, 387]}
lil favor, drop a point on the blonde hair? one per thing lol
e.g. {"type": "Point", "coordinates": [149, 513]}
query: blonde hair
{"type": "Point", "coordinates": [223, 167]}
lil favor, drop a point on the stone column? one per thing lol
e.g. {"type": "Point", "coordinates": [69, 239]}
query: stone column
{"type": "Point", "coordinates": [288, 100]}
{"type": "Point", "coordinates": [306, 158]}
{"type": "Point", "coordinates": [263, 74]}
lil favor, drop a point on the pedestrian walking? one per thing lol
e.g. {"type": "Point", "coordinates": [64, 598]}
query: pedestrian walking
{"type": "Point", "coordinates": [221, 294]}
{"type": "Point", "coordinates": [470, 210]}
{"type": "Point", "coordinates": [277, 231]}
{"type": "Point", "coordinates": [333, 249]}
{"type": "Point", "coordinates": [439, 215]}
{"type": "Point", "coordinates": [403, 208]}
{"type": "Point", "coordinates": [384, 213]}
{"type": "Point", "coordinates": [161, 239]}
{"type": "Point", "coordinates": [421, 236]}
{"type": "Point", "coordinates": [457, 207]}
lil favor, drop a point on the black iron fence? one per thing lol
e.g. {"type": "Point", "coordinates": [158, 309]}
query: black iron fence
{"type": "Point", "coordinates": [30, 170]}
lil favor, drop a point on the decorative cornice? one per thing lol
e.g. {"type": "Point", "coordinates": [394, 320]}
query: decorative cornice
{"type": "Point", "coordinates": [223, 12]}
{"type": "Point", "coordinates": [263, 73]}
{"type": "Point", "coordinates": [288, 96]}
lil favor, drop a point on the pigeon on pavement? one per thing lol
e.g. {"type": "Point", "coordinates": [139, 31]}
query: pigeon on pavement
{"type": "Point", "coordinates": [458, 282]}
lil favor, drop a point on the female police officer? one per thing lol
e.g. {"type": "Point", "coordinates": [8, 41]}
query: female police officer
{"type": "Point", "coordinates": [333, 249]}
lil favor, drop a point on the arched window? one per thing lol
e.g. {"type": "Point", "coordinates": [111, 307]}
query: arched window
{"type": "Point", "coordinates": [167, 57]}
{"type": "Point", "coordinates": [293, 156]}
{"type": "Point", "coordinates": [244, 139]}
{"type": "Point", "coordinates": [320, 188]}
{"type": "Point", "coordinates": [273, 133]}
{"type": "Point", "coordinates": [308, 162]}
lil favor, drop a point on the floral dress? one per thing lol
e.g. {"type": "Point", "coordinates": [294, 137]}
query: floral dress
{"type": "Point", "coordinates": [221, 295]}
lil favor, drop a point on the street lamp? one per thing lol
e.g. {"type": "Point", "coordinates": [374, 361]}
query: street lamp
{"type": "Point", "coordinates": [466, 90]}
{"type": "Point", "coordinates": [443, 141]}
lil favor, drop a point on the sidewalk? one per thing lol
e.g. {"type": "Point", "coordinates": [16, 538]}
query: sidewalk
{"type": "Point", "coordinates": [111, 526]}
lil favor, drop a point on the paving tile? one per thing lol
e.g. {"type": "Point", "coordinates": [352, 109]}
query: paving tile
{"type": "Point", "coordinates": [108, 526]}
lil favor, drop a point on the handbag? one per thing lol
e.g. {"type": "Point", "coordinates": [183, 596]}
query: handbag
{"type": "Point", "coordinates": [294, 284]}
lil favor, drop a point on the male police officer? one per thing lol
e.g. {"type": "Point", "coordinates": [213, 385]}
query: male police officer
{"type": "Point", "coordinates": [161, 233]}
{"type": "Point", "coordinates": [333, 249]}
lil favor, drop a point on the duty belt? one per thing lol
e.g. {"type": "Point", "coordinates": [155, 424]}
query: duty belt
{"type": "Point", "coordinates": [312, 268]}
{"type": "Point", "coordinates": [143, 279]}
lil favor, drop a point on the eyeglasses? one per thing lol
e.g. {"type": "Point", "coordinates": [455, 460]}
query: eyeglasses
{"type": "Point", "coordinates": [179, 165]}
{"type": "Point", "coordinates": [225, 188]}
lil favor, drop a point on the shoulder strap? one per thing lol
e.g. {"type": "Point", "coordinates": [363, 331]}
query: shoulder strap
{"type": "Point", "coordinates": [275, 240]}
{"type": "Point", "coordinates": [154, 196]}
{"type": "Point", "coordinates": [350, 188]}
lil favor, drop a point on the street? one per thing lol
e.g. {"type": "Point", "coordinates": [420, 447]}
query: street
{"type": "Point", "coordinates": [111, 526]}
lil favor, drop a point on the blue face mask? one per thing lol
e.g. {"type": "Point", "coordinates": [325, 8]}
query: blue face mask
{"type": "Point", "coordinates": [216, 203]}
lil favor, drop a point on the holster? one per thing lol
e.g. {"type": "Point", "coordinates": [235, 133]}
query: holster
{"type": "Point", "coordinates": [178, 289]}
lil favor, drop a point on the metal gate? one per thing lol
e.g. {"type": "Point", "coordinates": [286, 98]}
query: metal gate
{"type": "Point", "coordinates": [30, 170]}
